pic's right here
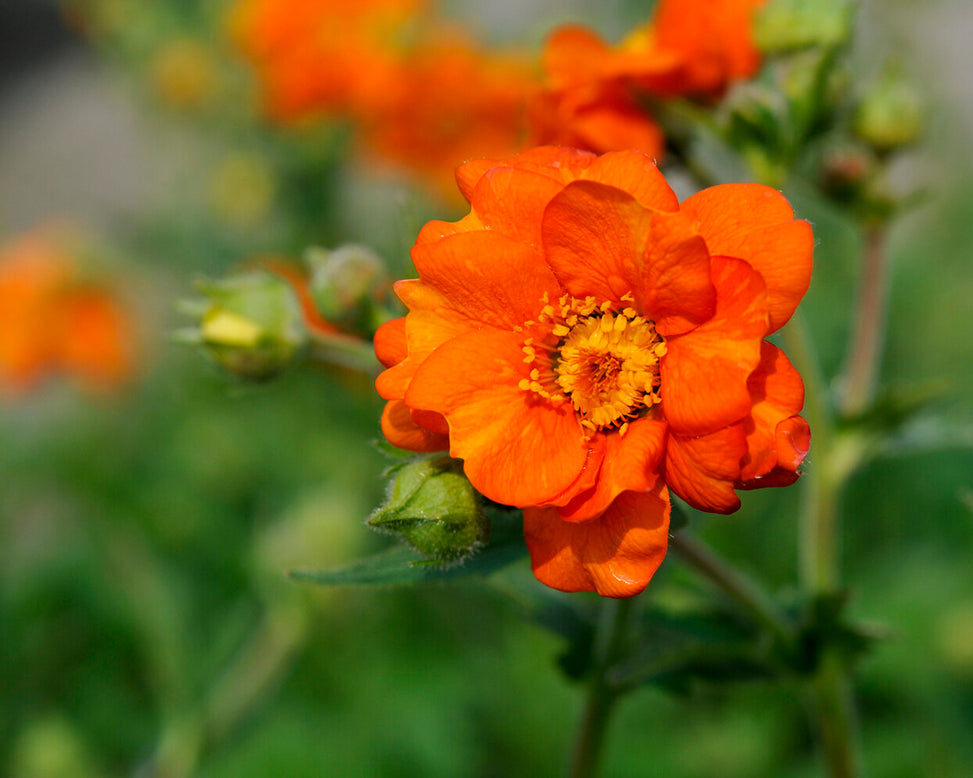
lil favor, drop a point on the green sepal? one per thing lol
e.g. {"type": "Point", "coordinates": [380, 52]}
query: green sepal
{"type": "Point", "coordinates": [433, 506]}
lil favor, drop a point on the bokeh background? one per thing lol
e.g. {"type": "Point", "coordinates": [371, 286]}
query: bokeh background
{"type": "Point", "coordinates": [146, 626]}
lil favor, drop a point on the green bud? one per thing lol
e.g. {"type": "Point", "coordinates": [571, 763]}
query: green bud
{"type": "Point", "coordinates": [890, 116]}
{"type": "Point", "coordinates": [788, 25]}
{"type": "Point", "coordinates": [345, 284]}
{"type": "Point", "coordinates": [249, 324]}
{"type": "Point", "coordinates": [435, 508]}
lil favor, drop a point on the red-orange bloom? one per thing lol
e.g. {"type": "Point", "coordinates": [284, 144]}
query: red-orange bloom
{"type": "Point", "coordinates": [592, 95]}
{"type": "Point", "coordinates": [585, 343]}
{"type": "Point", "coordinates": [51, 322]}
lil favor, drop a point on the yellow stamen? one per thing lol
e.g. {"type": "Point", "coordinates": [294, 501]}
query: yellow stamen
{"type": "Point", "coordinates": [604, 361]}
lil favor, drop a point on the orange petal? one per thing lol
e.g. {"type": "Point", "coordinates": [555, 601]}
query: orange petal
{"type": "Point", "coordinates": [675, 287]}
{"type": "Point", "coordinates": [517, 448]}
{"type": "Point", "coordinates": [705, 372]}
{"type": "Point", "coordinates": [792, 441]}
{"type": "Point", "coordinates": [777, 393]}
{"type": "Point", "coordinates": [511, 202]}
{"type": "Point", "coordinates": [562, 164]}
{"type": "Point", "coordinates": [401, 430]}
{"type": "Point", "coordinates": [755, 223]}
{"type": "Point", "coordinates": [608, 124]}
{"type": "Point", "coordinates": [486, 276]}
{"type": "Point", "coordinates": [615, 555]}
{"type": "Point", "coordinates": [631, 463]}
{"type": "Point", "coordinates": [593, 237]}
{"type": "Point", "coordinates": [714, 37]}
{"type": "Point", "coordinates": [702, 470]}
{"type": "Point", "coordinates": [637, 174]}
{"type": "Point", "coordinates": [390, 346]}
{"type": "Point", "coordinates": [425, 330]}
{"type": "Point", "coordinates": [572, 55]}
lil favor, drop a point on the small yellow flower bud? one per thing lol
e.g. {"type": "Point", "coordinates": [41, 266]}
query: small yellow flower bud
{"type": "Point", "coordinates": [249, 324]}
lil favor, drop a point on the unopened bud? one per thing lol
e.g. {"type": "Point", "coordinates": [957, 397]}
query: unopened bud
{"type": "Point", "coordinates": [435, 508]}
{"type": "Point", "coordinates": [890, 116]}
{"type": "Point", "coordinates": [346, 283]}
{"type": "Point", "coordinates": [846, 169]}
{"type": "Point", "coordinates": [249, 324]}
{"type": "Point", "coordinates": [788, 25]}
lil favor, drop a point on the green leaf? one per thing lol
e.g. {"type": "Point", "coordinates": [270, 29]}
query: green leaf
{"type": "Point", "coordinates": [402, 565]}
{"type": "Point", "coordinates": [676, 649]}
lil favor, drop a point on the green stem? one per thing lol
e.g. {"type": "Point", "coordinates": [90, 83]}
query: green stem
{"type": "Point", "coordinates": [868, 330]}
{"type": "Point", "coordinates": [609, 647]}
{"type": "Point", "coordinates": [754, 600]}
{"type": "Point", "coordinates": [833, 458]}
{"type": "Point", "coordinates": [833, 703]}
{"type": "Point", "coordinates": [346, 351]}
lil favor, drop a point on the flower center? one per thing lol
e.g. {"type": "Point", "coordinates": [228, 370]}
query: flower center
{"type": "Point", "coordinates": [605, 362]}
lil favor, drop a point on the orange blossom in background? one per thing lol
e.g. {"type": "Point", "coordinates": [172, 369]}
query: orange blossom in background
{"type": "Point", "coordinates": [592, 93]}
{"type": "Point", "coordinates": [52, 321]}
{"type": "Point", "coordinates": [323, 57]}
{"type": "Point", "coordinates": [585, 343]}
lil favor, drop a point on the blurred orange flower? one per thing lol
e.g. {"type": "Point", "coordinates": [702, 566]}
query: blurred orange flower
{"type": "Point", "coordinates": [593, 92]}
{"type": "Point", "coordinates": [323, 57]}
{"type": "Point", "coordinates": [453, 101]}
{"type": "Point", "coordinates": [585, 343]}
{"type": "Point", "coordinates": [51, 321]}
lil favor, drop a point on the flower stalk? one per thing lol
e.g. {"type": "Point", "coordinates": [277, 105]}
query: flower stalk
{"type": "Point", "coordinates": [754, 600]}
{"type": "Point", "coordinates": [610, 645]}
{"type": "Point", "coordinates": [868, 331]}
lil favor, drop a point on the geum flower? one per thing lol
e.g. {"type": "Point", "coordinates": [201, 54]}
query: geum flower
{"type": "Point", "coordinates": [585, 343]}
{"type": "Point", "coordinates": [593, 93]}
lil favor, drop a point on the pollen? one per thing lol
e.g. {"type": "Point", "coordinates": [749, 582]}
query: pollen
{"type": "Point", "coordinates": [605, 362]}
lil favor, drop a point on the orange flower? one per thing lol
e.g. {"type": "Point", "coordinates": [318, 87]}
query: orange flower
{"type": "Point", "coordinates": [453, 101]}
{"type": "Point", "coordinates": [592, 95]}
{"type": "Point", "coordinates": [585, 343]}
{"type": "Point", "coordinates": [318, 57]}
{"type": "Point", "coordinates": [712, 38]}
{"type": "Point", "coordinates": [51, 322]}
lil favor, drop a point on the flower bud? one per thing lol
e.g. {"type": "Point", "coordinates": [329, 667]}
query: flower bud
{"type": "Point", "coordinates": [250, 324]}
{"type": "Point", "coordinates": [890, 116]}
{"type": "Point", "coordinates": [788, 25]}
{"type": "Point", "coordinates": [346, 284]}
{"type": "Point", "coordinates": [433, 506]}
{"type": "Point", "coordinates": [846, 170]}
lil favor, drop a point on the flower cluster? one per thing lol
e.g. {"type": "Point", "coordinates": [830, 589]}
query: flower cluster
{"type": "Point", "coordinates": [585, 343]}
{"type": "Point", "coordinates": [421, 95]}
{"type": "Point", "coordinates": [426, 97]}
